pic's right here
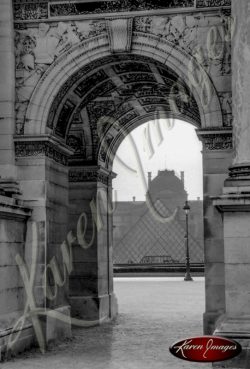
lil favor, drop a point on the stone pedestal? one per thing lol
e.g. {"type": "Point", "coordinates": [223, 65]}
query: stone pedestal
{"type": "Point", "coordinates": [235, 324]}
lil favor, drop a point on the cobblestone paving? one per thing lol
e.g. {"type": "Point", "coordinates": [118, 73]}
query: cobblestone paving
{"type": "Point", "coordinates": [154, 313]}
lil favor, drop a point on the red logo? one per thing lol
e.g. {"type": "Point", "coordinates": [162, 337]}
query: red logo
{"type": "Point", "coordinates": [206, 349]}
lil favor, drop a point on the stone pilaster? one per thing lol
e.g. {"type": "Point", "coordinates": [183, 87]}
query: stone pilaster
{"type": "Point", "coordinates": [217, 156]}
{"type": "Point", "coordinates": [234, 203]}
{"type": "Point", "coordinates": [43, 175]}
{"type": "Point", "coordinates": [7, 91]}
{"type": "Point", "coordinates": [91, 281]}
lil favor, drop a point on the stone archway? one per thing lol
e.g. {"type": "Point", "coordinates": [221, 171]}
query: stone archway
{"type": "Point", "coordinates": [95, 49]}
{"type": "Point", "coordinates": [65, 184]}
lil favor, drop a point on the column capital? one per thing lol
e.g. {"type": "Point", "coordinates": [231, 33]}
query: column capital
{"type": "Point", "coordinates": [94, 174]}
{"type": "Point", "coordinates": [216, 139]}
{"type": "Point", "coordinates": [42, 146]}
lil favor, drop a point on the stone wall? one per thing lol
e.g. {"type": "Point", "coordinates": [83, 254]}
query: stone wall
{"type": "Point", "coordinates": [13, 298]}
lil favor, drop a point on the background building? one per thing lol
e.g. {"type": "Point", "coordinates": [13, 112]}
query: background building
{"type": "Point", "coordinates": [141, 238]}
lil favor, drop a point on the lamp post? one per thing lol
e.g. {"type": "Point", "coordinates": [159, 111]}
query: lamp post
{"type": "Point", "coordinates": [187, 277]}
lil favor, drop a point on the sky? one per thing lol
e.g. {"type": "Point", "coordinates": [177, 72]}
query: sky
{"type": "Point", "coordinates": [153, 146]}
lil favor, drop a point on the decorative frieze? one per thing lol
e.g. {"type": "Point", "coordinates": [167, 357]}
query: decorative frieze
{"type": "Point", "coordinates": [88, 175]}
{"type": "Point", "coordinates": [44, 9]}
{"type": "Point", "coordinates": [216, 140]}
{"type": "Point", "coordinates": [63, 9]}
{"type": "Point", "coordinates": [30, 10]}
{"type": "Point", "coordinates": [41, 149]}
{"type": "Point", "coordinates": [212, 3]}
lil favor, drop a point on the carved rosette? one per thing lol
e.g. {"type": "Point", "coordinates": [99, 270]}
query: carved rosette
{"type": "Point", "coordinates": [216, 140]}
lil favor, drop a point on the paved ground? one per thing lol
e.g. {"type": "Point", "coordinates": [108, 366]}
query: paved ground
{"type": "Point", "coordinates": [154, 313]}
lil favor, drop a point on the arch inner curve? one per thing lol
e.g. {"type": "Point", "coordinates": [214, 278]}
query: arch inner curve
{"type": "Point", "coordinates": [118, 91]}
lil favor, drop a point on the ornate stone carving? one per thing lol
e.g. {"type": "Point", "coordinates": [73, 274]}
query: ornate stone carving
{"type": "Point", "coordinates": [43, 44]}
{"type": "Point", "coordinates": [226, 104]}
{"type": "Point", "coordinates": [76, 143]}
{"type": "Point", "coordinates": [212, 3]}
{"type": "Point", "coordinates": [88, 175]}
{"type": "Point", "coordinates": [191, 32]}
{"type": "Point", "coordinates": [216, 141]}
{"type": "Point", "coordinates": [180, 29]}
{"type": "Point", "coordinates": [78, 8]}
{"type": "Point", "coordinates": [38, 47]}
{"type": "Point", "coordinates": [40, 149]}
{"type": "Point", "coordinates": [89, 82]}
{"type": "Point", "coordinates": [119, 99]}
{"type": "Point", "coordinates": [64, 118]}
{"type": "Point", "coordinates": [30, 10]}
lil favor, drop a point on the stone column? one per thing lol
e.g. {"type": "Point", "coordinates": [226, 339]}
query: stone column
{"type": "Point", "coordinates": [234, 203]}
{"type": "Point", "coordinates": [7, 91]}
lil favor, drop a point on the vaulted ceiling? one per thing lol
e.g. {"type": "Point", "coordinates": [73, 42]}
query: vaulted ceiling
{"type": "Point", "coordinates": [124, 88]}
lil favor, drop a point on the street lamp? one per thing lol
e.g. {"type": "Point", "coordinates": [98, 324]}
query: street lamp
{"type": "Point", "coordinates": [188, 277]}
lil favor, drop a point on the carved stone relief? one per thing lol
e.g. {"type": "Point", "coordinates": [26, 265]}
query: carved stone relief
{"type": "Point", "coordinates": [226, 105]}
{"type": "Point", "coordinates": [42, 148]}
{"type": "Point", "coordinates": [88, 175]}
{"type": "Point", "coordinates": [99, 7]}
{"type": "Point", "coordinates": [36, 48]}
{"type": "Point", "coordinates": [212, 3]}
{"type": "Point", "coordinates": [217, 142]}
{"type": "Point", "coordinates": [207, 38]}
{"type": "Point", "coordinates": [30, 11]}
{"type": "Point", "coordinates": [44, 9]}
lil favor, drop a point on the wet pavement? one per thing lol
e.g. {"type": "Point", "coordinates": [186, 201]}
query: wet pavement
{"type": "Point", "coordinates": [153, 314]}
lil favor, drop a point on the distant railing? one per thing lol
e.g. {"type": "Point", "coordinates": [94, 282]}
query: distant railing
{"type": "Point", "coordinates": [166, 259]}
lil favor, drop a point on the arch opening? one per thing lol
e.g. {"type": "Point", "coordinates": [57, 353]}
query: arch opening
{"type": "Point", "coordinates": [148, 255]}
